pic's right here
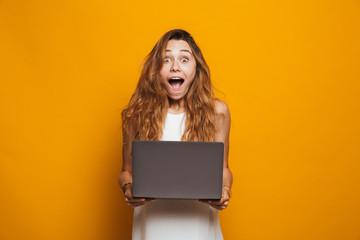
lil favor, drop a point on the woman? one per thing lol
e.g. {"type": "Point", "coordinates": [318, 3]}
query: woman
{"type": "Point", "coordinates": [174, 101]}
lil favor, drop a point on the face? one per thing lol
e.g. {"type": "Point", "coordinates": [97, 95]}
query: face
{"type": "Point", "coordinates": [178, 69]}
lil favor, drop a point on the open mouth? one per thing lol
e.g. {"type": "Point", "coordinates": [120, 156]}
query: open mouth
{"type": "Point", "coordinates": [176, 83]}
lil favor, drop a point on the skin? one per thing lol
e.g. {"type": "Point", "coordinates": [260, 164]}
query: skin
{"type": "Point", "coordinates": [180, 62]}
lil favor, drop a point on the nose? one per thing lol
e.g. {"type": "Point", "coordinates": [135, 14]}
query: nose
{"type": "Point", "coordinates": [175, 66]}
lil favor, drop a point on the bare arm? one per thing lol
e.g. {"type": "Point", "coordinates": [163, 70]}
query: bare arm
{"type": "Point", "coordinates": [222, 135]}
{"type": "Point", "coordinates": [223, 132]}
{"type": "Point", "coordinates": [126, 173]}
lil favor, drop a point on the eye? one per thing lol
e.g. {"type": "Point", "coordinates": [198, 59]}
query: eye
{"type": "Point", "coordinates": [167, 59]}
{"type": "Point", "coordinates": [186, 60]}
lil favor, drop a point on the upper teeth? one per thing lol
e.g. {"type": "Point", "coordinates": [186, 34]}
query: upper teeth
{"type": "Point", "coordinates": [176, 78]}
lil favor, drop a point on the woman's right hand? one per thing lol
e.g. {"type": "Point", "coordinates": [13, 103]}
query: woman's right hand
{"type": "Point", "coordinates": [133, 201]}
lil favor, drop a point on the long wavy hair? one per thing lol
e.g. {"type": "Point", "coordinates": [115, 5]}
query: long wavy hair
{"type": "Point", "coordinates": [145, 114]}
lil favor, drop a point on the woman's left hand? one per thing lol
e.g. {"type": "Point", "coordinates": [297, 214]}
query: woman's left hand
{"type": "Point", "coordinates": [223, 202]}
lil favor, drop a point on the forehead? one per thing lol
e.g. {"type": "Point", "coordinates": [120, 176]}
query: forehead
{"type": "Point", "coordinates": [177, 46]}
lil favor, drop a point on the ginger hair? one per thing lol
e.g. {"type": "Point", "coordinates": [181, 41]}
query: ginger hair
{"type": "Point", "coordinates": [144, 116]}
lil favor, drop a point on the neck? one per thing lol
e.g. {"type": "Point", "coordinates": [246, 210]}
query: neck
{"type": "Point", "coordinates": [176, 106]}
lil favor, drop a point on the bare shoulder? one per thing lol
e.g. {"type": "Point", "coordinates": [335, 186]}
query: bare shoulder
{"type": "Point", "coordinates": [222, 108]}
{"type": "Point", "coordinates": [222, 121]}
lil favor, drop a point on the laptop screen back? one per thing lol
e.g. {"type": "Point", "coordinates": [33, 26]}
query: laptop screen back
{"type": "Point", "coordinates": [174, 169]}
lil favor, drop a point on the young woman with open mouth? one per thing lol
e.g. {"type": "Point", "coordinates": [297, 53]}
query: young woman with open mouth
{"type": "Point", "coordinates": [174, 101]}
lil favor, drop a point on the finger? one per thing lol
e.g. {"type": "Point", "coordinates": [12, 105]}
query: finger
{"type": "Point", "coordinates": [128, 192]}
{"type": "Point", "coordinates": [217, 203]}
{"type": "Point", "coordinates": [223, 205]}
{"type": "Point", "coordinates": [218, 207]}
{"type": "Point", "coordinates": [137, 200]}
{"type": "Point", "coordinates": [223, 199]}
{"type": "Point", "coordinates": [206, 202]}
{"type": "Point", "coordinates": [220, 204]}
{"type": "Point", "coordinates": [135, 204]}
{"type": "Point", "coordinates": [227, 194]}
{"type": "Point", "coordinates": [214, 201]}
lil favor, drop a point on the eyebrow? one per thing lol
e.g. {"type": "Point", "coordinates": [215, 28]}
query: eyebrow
{"type": "Point", "coordinates": [182, 50]}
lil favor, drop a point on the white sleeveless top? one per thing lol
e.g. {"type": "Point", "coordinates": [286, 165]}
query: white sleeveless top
{"type": "Point", "coordinates": [170, 219]}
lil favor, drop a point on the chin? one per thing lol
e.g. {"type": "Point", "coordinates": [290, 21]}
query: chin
{"type": "Point", "coordinates": [176, 97]}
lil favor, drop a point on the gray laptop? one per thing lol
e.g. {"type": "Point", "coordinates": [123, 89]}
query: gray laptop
{"type": "Point", "coordinates": [177, 169]}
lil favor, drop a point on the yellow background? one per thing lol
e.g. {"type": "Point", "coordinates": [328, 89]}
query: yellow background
{"type": "Point", "coordinates": [289, 71]}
